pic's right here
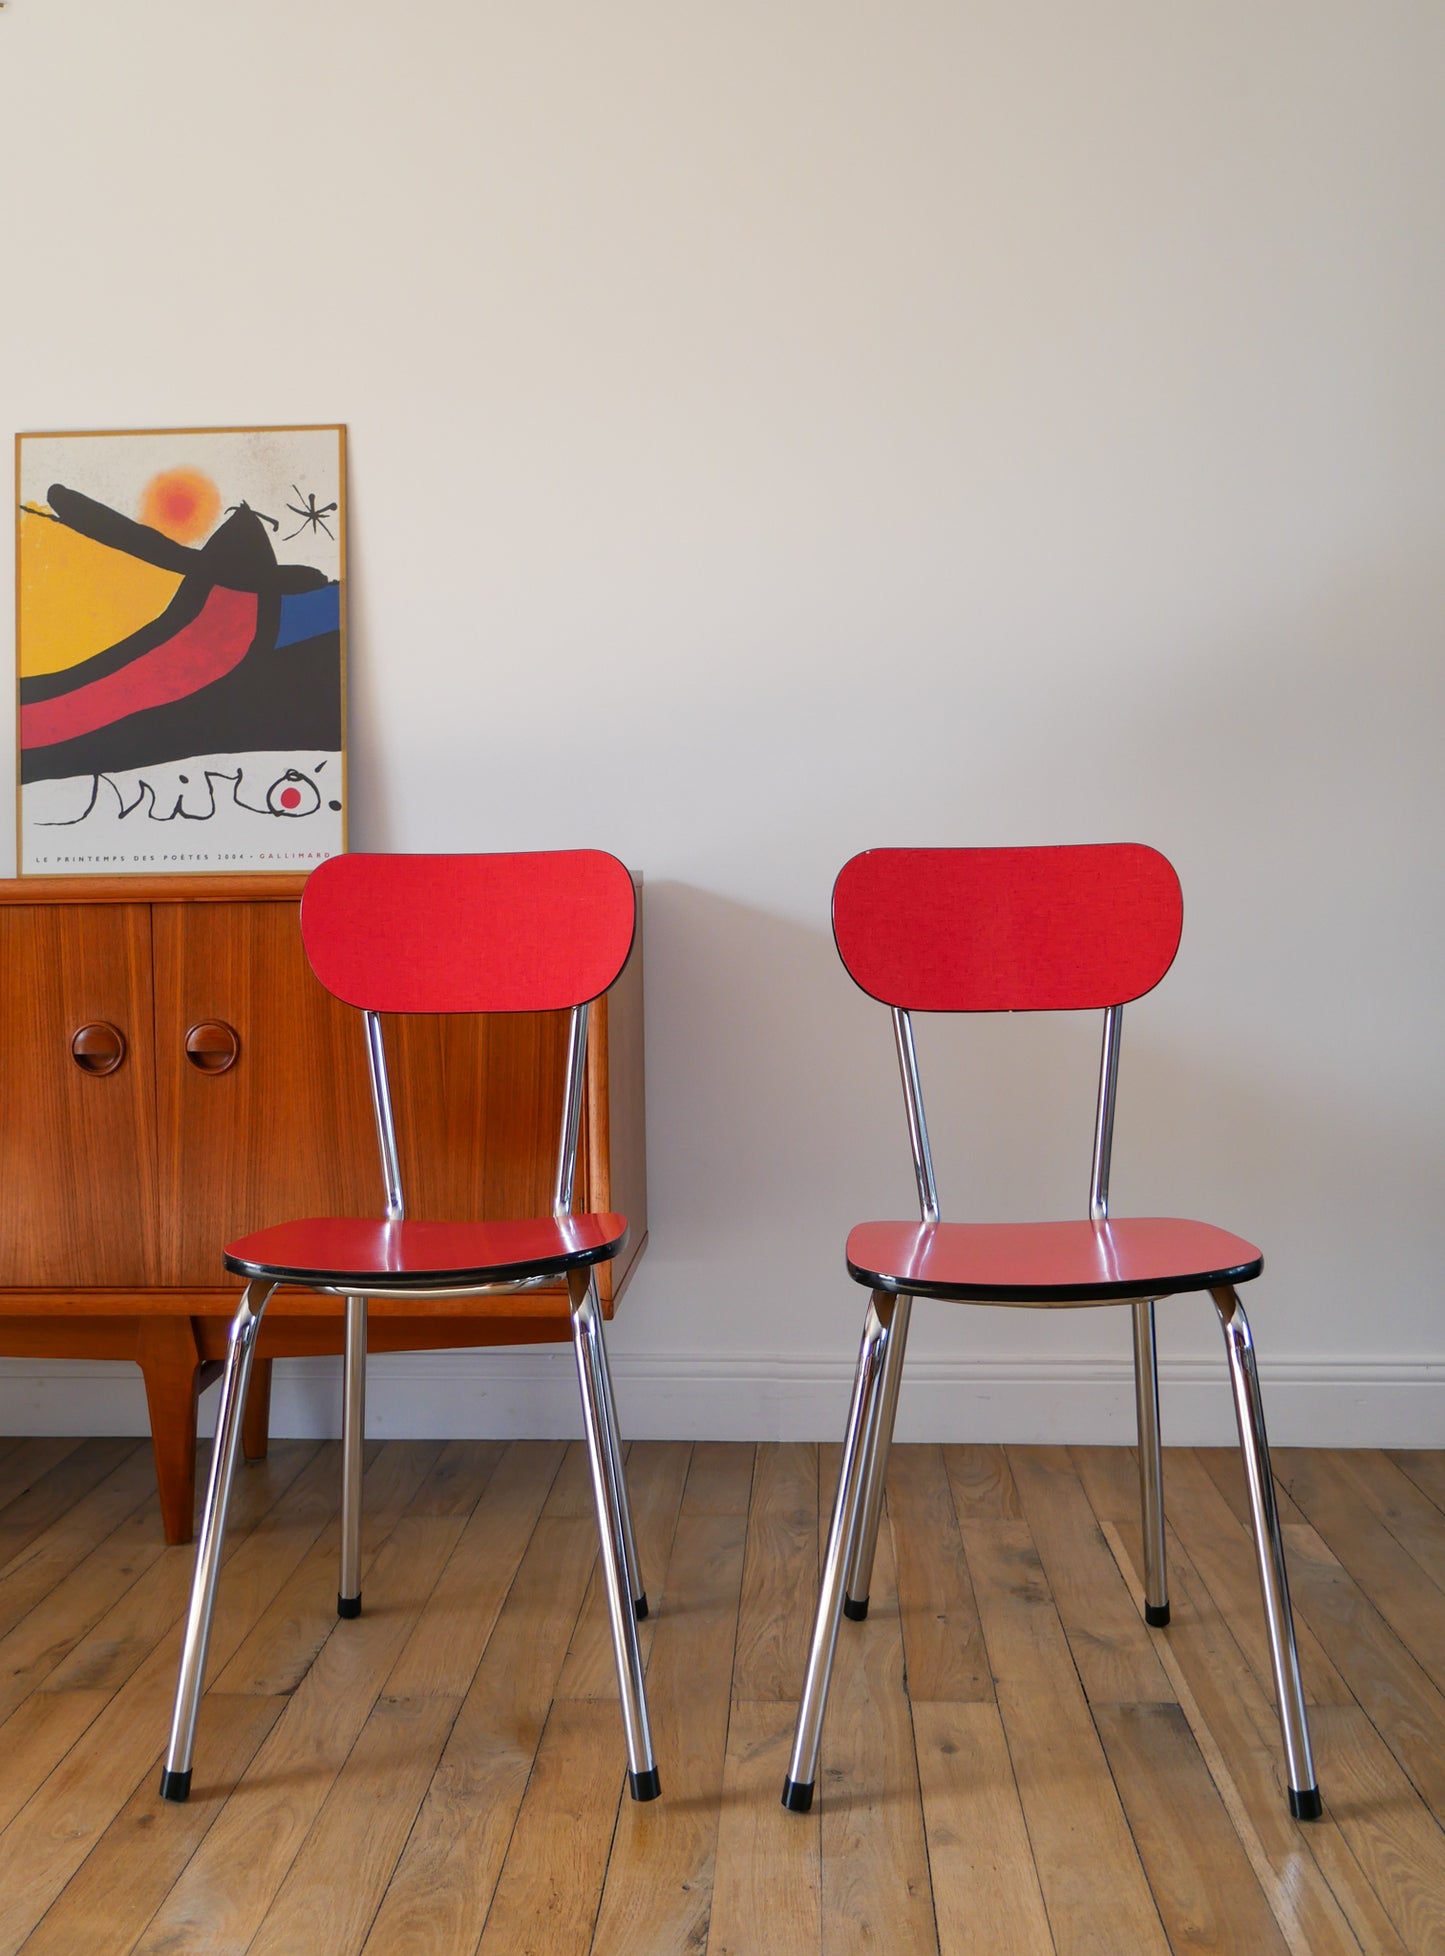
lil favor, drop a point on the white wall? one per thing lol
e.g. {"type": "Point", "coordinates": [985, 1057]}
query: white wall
{"type": "Point", "coordinates": [780, 430]}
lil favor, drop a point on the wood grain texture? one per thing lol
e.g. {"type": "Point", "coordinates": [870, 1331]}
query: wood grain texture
{"type": "Point", "coordinates": [282, 1646]}
{"type": "Point", "coordinates": [250, 887]}
{"type": "Point", "coordinates": [1403, 1700]}
{"type": "Point", "coordinates": [1427, 1470]}
{"type": "Point", "coordinates": [37, 1509]}
{"type": "Point", "coordinates": [779, 1575]}
{"type": "Point", "coordinates": [656, 1475]}
{"type": "Point", "coordinates": [546, 1900]}
{"type": "Point", "coordinates": [660, 1872]}
{"type": "Point", "coordinates": [1336, 1508]}
{"type": "Point", "coordinates": [1309, 1876]}
{"type": "Point", "coordinates": [418, 1781]}
{"type": "Point", "coordinates": [1202, 1881]}
{"type": "Point", "coordinates": [28, 1463]}
{"type": "Point", "coordinates": [767, 1896]}
{"type": "Point", "coordinates": [61, 1587]}
{"type": "Point", "coordinates": [1226, 1469]}
{"type": "Point", "coordinates": [362, 1827]}
{"type": "Point", "coordinates": [119, 1191]}
{"type": "Point", "coordinates": [263, 1827]}
{"type": "Point", "coordinates": [172, 1368]}
{"type": "Point", "coordinates": [1409, 1514]}
{"type": "Point", "coordinates": [440, 1894]}
{"type": "Point", "coordinates": [35, 1738]}
{"type": "Point", "coordinates": [1222, 1548]}
{"type": "Point", "coordinates": [78, 1165]}
{"type": "Point", "coordinates": [139, 1858]}
{"type": "Point", "coordinates": [1394, 1836]}
{"type": "Point", "coordinates": [942, 1636]}
{"type": "Point", "coordinates": [982, 1483]}
{"type": "Point", "coordinates": [985, 1886]}
{"type": "Point", "coordinates": [1094, 1887]}
{"type": "Point", "coordinates": [1108, 1640]}
{"type": "Point", "coordinates": [50, 1554]}
{"type": "Point", "coordinates": [876, 1891]}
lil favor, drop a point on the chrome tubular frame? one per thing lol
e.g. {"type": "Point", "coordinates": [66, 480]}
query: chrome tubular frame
{"type": "Point", "coordinates": [626, 1599]}
{"type": "Point", "coordinates": [612, 1436]}
{"type": "Point", "coordinates": [385, 1125]}
{"type": "Point", "coordinates": [353, 1434]}
{"type": "Point", "coordinates": [877, 1443]}
{"type": "Point", "coordinates": [1151, 1465]}
{"type": "Point", "coordinates": [847, 1505]}
{"type": "Point", "coordinates": [917, 1121]}
{"type": "Point", "coordinates": [176, 1773]}
{"type": "Point", "coordinates": [571, 1112]}
{"type": "Point", "coordinates": [429, 1293]}
{"type": "Point", "coordinates": [878, 1437]}
{"type": "Point", "coordinates": [562, 1197]}
{"type": "Point", "coordinates": [1146, 1365]}
{"type": "Point", "coordinates": [614, 1528]}
{"type": "Point", "coordinates": [1304, 1798]}
{"type": "Point", "coordinates": [353, 1387]}
{"type": "Point", "coordinates": [1104, 1117]}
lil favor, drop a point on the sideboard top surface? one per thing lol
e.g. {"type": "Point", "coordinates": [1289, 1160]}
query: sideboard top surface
{"type": "Point", "coordinates": [253, 888]}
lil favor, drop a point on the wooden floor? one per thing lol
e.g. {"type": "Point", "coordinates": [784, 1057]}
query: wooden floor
{"type": "Point", "coordinates": [1012, 1761]}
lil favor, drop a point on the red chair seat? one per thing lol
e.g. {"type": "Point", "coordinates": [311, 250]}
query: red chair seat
{"type": "Point", "coordinates": [362, 1250]}
{"type": "Point", "coordinates": [1049, 1263]}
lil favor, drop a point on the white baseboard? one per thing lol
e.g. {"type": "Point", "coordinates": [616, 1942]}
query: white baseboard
{"type": "Point", "coordinates": [1347, 1402]}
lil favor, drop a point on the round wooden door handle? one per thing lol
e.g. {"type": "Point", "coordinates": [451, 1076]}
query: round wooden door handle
{"type": "Point", "coordinates": [98, 1047]}
{"type": "Point", "coordinates": [212, 1046]}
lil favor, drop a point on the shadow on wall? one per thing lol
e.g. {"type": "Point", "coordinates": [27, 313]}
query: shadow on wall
{"type": "Point", "coordinates": [775, 1117]}
{"type": "Point", "coordinates": [1334, 1184]}
{"type": "Point", "coordinates": [775, 1121]}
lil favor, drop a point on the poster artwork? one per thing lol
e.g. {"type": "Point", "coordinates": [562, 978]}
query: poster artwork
{"type": "Point", "coordinates": [180, 642]}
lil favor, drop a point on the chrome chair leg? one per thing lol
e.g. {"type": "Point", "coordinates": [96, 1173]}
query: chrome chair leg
{"type": "Point", "coordinates": [1151, 1464]}
{"type": "Point", "coordinates": [612, 1434]}
{"type": "Point", "coordinates": [1304, 1797]}
{"type": "Point", "coordinates": [842, 1533]}
{"type": "Point", "coordinates": [176, 1773]}
{"type": "Point", "coordinates": [875, 1463]}
{"type": "Point", "coordinates": [587, 1338]}
{"type": "Point", "coordinates": [353, 1436]}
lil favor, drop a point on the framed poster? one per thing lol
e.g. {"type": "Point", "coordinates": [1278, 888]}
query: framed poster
{"type": "Point", "coordinates": [180, 638]}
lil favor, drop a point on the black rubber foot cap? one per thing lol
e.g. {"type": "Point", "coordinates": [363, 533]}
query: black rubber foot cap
{"type": "Point", "coordinates": [348, 1606]}
{"type": "Point", "coordinates": [645, 1786]}
{"type": "Point", "coordinates": [855, 1612]}
{"type": "Point", "coordinates": [639, 1608]}
{"type": "Point", "coordinates": [797, 1795]}
{"type": "Point", "coordinates": [1156, 1615]}
{"type": "Point", "coordinates": [177, 1786]}
{"type": "Point", "coordinates": [1306, 1805]}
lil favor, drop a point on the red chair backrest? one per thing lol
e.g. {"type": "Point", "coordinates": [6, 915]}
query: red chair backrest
{"type": "Point", "coordinates": [1008, 930]}
{"type": "Point", "coordinates": [524, 933]}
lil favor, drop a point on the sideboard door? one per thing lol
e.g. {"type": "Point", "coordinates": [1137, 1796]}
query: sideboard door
{"type": "Point", "coordinates": [479, 1112]}
{"type": "Point", "coordinates": [77, 1137]}
{"type": "Point", "coordinates": [263, 1105]}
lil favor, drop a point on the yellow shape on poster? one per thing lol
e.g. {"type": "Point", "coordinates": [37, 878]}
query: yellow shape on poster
{"type": "Point", "coordinates": [77, 596]}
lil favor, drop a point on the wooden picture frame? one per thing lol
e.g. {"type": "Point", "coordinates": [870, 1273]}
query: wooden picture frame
{"type": "Point", "coordinates": [180, 650]}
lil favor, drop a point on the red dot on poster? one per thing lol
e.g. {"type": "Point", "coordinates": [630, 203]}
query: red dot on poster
{"type": "Point", "coordinates": [290, 797]}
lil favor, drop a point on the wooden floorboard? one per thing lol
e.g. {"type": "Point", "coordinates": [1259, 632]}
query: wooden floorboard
{"type": "Point", "coordinates": [1012, 1760]}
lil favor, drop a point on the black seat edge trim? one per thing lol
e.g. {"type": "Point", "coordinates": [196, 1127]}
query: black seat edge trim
{"type": "Point", "coordinates": [1118, 1293]}
{"type": "Point", "coordinates": [460, 1279]}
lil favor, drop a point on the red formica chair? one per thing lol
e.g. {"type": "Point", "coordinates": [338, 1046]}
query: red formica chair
{"type": "Point", "coordinates": [1029, 930]}
{"type": "Point", "coordinates": [520, 933]}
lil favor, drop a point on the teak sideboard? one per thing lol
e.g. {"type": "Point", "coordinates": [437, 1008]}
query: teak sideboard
{"type": "Point", "coordinates": [172, 1076]}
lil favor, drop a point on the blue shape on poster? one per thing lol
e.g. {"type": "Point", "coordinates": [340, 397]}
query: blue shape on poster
{"type": "Point", "coordinates": [308, 614]}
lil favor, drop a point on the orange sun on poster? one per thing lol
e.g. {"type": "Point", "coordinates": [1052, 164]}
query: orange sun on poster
{"type": "Point", "coordinates": [182, 504]}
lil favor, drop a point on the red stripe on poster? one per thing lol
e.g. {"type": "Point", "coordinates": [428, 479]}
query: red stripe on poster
{"type": "Point", "coordinates": [213, 644]}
